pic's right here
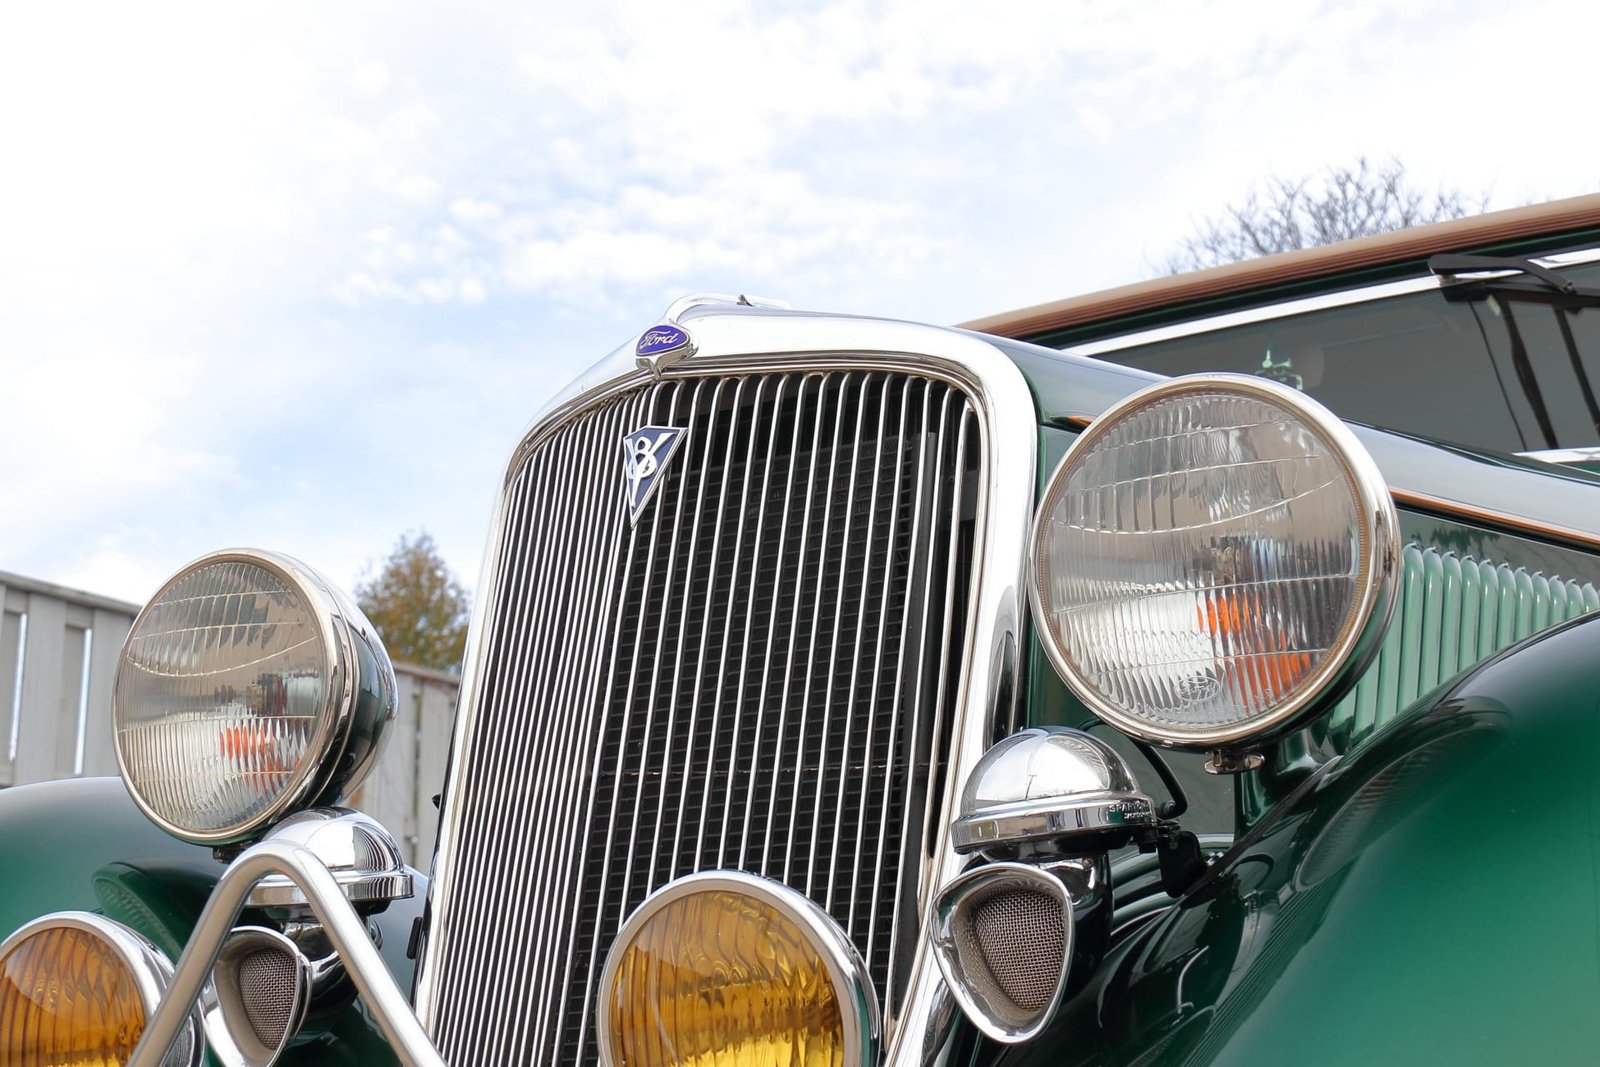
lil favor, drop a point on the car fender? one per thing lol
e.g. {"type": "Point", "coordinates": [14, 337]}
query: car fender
{"type": "Point", "coordinates": [1433, 895]}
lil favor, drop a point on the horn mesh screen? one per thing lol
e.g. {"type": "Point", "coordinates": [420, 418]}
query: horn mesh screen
{"type": "Point", "coordinates": [267, 985]}
{"type": "Point", "coordinates": [1018, 934]}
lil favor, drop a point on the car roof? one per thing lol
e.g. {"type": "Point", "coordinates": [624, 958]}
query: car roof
{"type": "Point", "coordinates": [1328, 263]}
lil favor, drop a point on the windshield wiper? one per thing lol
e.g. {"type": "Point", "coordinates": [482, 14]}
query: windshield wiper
{"type": "Point", "coordinates": [1545, 282]}
{"type": "Point", "coordinates": [1537, 284]}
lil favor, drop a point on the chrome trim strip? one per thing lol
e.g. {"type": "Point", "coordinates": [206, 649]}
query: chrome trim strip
{"type": "Point", "coordinates": [677, 664]}
{"type": "Point", "coordinates": [811, 657]}
{"type": "Point", "coordinates": [870, 728]}
{"type": "Point", "coordinates": [852, 986]}
{"type": "Point", "coordinates": [1564, 455]}
{"type": "Point", "coordinates": [345, 929]}
{"type": "Point", "coordinates": [772, 617]}
{"type": "Point", "coordinates": [918, 522]}
{"type": "Point", "coordinates": [534, 819]}
{"type": "Point", "coordinates": [738, 580]}
{"type": "Point", "coordinates": [581, 755]}
{"type": "Point", "coordinates": [1320, 302]}
{"type": "Point", "coordinates": [1516, 523]}
{"type": "Point", "coordinates": [500, 766]}
{"type": "Point", "coordinates": [732, 341]}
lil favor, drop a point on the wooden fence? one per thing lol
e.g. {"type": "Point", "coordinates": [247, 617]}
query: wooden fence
{"type": "Point", "coordinates": [58, 658]}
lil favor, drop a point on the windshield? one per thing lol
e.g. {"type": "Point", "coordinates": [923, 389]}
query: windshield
{"type": "Point", "coordinates": [1507, 371]}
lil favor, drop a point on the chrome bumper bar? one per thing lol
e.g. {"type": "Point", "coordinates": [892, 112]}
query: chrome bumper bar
{"type": "Point", "coordinates": [345, 929]}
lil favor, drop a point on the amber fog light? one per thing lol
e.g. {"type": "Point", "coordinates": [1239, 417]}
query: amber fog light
{"type": "Point", "coordinates": [725, 969]}
{"type": "Point", "coordinates": [76, 990]}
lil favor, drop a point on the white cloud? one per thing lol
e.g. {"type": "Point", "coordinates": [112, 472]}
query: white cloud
{"type": "Point", "coordinates": [297, 275]}
{"type": "Point", "coordinates": [370, 79]}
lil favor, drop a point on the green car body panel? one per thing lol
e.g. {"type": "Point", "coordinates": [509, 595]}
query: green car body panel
{"type": "Point", "coordinates": [1430, 896]}
{"type": "Point", "coordinates": [89, 848]}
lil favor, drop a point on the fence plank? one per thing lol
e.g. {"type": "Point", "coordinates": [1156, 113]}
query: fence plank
{"type": "Point", "coordinates": [433, 750]}
{"type": "Point", "coordinates": [110, 631]}
{"type": "Point", "coordinates": [10, 635]}
{"type": "Point", "coordinates": [70, 704]}
{"type": "Point", "coordinates": [39, 740]}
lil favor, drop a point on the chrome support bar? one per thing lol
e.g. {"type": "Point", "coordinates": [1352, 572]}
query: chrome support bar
{"type": "Point", "coordinates": [345, 929]}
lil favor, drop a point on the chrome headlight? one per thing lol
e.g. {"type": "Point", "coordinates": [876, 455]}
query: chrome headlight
{"type": "Point", "coordinates": [248, 688]}
{"type": "Point", "coordinates": [1213, 560]}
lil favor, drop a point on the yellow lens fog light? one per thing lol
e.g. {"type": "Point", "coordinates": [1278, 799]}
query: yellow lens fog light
{"type": "Point", "coordinates": [76, 990]}
{"type": "Point", "coordinates": [725, 969]}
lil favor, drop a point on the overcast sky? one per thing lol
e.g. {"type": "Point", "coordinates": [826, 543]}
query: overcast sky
{"type": "Point", "coordinates": [296, 276]}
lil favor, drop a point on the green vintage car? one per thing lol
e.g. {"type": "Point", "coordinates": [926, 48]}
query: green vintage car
{"type": "Point", "coordinates": [1084, 690]}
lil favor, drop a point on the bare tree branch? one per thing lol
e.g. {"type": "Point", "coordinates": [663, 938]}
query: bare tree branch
{"type": "Point", "coordinates": [1343, 202]}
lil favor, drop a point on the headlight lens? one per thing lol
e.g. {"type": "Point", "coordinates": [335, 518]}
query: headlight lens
{"type": "Point", "coordinates": [248, 687]}
{"type": "Point", "coordinates": [723, 969]}
{"type": "Point", "coordinates": [1212, 557]}
{"type": "Point", "coordinates": [76, 989]}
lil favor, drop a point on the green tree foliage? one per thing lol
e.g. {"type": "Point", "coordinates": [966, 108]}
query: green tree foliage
{"type": "Point", "coordinates": [1342, 202]}
{"type": "Point", "coordinates": [418, 606]}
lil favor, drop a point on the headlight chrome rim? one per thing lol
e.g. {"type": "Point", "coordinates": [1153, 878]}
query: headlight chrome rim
{"type": "Point", "coordinates": [852, 985]}
{"type": "Point", "coordinates": [146, 964]}
{"type": "Point", "coordinates": [1377, 581]}
{"type": "Point", "coordinates": [347, 641]}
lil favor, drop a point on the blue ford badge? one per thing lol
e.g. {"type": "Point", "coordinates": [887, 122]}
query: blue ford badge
{"type": "Point", "coordinates": [661, 340]}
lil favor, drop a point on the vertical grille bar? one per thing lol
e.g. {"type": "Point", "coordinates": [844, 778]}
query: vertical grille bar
{"type": "Point", "coordinates": [752, 675]}
{"type": "Point", "coordinates": [791, 646]}
{"type": "Point", "coordinates": [884, 593]}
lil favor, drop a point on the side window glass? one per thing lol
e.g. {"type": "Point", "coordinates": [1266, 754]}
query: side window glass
{"type": "Point", "coordinates": [1414, 363]}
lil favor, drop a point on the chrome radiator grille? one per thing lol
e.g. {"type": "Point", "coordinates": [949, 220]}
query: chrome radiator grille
{"type": "Point", "coordinates": [756, 675]}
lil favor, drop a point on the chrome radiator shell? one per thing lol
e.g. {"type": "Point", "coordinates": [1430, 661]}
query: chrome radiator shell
{"type": "Point", "coordinates": [541, 887]}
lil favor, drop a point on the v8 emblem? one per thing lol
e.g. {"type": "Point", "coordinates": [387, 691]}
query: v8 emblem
{"type": "Point", "coordinates": [645, 454]}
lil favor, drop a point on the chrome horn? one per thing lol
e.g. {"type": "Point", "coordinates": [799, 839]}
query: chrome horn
{"type": "Point", "coordinates": [1049, 792]}
{"type": "Point", "coordinates": [1045, 806]}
